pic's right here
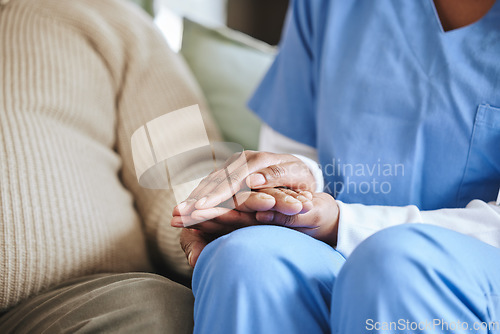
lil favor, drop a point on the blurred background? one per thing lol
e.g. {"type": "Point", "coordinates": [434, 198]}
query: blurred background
{"type": "Point", "coordinates": [261, 19]}
{"type": "Point", "coordinates": [228, 45]}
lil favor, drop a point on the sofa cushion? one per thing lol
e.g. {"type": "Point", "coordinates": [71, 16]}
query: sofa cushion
{"type": "Point", "coordinates": [228, 66]}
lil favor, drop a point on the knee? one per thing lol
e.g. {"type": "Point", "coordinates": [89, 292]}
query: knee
{"type": "Point", "coordinates": [402, 253]}
{"type": "Point", "coordinates": [145, 288]}
{"type": "Point", "coordinates": [251, 255]}
{"type": "Point", "coordinates": [246, 253]}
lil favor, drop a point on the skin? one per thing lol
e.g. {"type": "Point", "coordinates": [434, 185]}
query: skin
{"type": "Point", "coordinates": [206, 211]}
{"type": "Point", "coordinates": [457, 14]}
{"type": "Point", "coordinates": [208, 214]}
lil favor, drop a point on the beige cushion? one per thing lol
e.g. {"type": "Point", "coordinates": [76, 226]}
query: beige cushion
{"type": "Point", "coordinates": [228, 65]}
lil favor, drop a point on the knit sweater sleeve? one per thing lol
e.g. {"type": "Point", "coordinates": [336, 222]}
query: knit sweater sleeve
{"type": "Point", "coordinates": [77, 78]}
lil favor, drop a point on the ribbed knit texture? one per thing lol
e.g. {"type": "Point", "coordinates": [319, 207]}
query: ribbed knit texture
{"type": "Point", "coordinates": [77, 78]}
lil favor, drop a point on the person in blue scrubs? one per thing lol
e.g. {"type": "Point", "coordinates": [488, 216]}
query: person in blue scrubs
{"type": "Point", "coordinates": [401, 102]}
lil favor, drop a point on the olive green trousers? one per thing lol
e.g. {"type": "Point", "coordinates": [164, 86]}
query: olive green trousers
{"type": "Point", "coordinates": [110, 303]}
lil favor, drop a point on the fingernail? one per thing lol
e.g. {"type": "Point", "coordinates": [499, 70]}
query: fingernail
{"type": "Point", "coordinates": [265, 196]}
{"type": "Point", "coordinates": [265, 217]}
{"type": "Point", "coordinates": [302, 198]}
{"type": "Point", "coordinates": [177, 224]}
{"type": "Point", "coordinates": [182, 206]}
{"type": "Point", "coordinates": [307, 194]}
{"type": "Point", "coordinates": [201, 201]}
{"type": "Point", "coordinates": [190, 258]}
{"type": "Point", "coordinates": [257, 180]}
{"type": "Point", "coordinates": [291, 200]}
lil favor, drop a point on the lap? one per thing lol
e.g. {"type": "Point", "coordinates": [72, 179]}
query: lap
{"type": "Point", "coordinates": [260, 251]}
{"type": "Point", "coordinates": [412, 271]}
{"type": "Point", "coordinates": [283, 276]}
{"type": "Point", "coordinates": [111, 303]}
{"type": "Point", "coordinates": [429, 246]}
{"type": "Point", "coordinates": [261, 247]}
{"type": "Point", "coordinates": [432, 246]}
{"type": "Point", "coordinates": [418, 272]}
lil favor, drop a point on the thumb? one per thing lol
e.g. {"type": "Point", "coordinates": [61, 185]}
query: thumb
{"type": "Point", "coordinates": [192, 242]}
{"type": "Point", "coordinates": [294, 175]}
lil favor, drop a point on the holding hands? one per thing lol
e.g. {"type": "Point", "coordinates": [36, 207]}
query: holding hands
{"type": "Point", "coordinates": [281, 194]}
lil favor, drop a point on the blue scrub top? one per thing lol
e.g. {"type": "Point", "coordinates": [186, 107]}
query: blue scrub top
{"type": "Point", "coordinates": [400, 111]}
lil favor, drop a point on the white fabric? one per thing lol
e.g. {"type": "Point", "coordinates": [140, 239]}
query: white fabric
{"type": "Point", "coordinates": [357, 222]}
{"type": "Point", "coordinates": [272, 141]}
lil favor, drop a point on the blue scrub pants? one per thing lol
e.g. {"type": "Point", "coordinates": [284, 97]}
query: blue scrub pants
{"type": "Point", "coordinates": [412, 278]}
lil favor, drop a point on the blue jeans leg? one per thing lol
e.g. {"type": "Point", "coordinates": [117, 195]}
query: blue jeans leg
{"type": "Point", "coordinates": [417, 275]}
{"type": "Point", "coordinates": [265, 279]}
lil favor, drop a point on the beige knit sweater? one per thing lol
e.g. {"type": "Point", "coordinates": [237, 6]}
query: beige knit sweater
{"type": "Point", "coordinates": [76, 79]}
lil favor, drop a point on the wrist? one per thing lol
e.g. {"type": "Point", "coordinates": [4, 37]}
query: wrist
{"type": "Point", "coordinates": [331, 217]}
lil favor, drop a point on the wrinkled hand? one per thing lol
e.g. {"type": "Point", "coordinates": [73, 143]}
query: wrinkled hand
{"type": "Point", "coordinates": [313, 214]}
{"type": "Point", "coordinates": [257, 170]}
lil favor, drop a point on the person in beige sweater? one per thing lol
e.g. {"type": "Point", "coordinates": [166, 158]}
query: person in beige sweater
{"type": "Point", "coordinates": [77, 78]}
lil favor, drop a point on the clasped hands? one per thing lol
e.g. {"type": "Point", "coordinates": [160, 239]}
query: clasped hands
{"type": "Point", "coordinates": [282, 193]}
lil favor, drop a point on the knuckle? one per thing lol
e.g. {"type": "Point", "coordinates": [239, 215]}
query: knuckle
{"type": "Point", "coordinates": [234, 178]}
{"type": "Point", "coordinates": [186, 246]}
{"type": "Point", "coordinates": [288, 221]}
{"type": "Point", "coordinates": [187, 239]}
{"type": "Point", "coordinates": [250, 155]}
{"type": "Point", "coordinates": [276, 171]}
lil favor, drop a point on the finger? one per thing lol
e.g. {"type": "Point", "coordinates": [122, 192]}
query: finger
{"type": "Point", "coordinates": [207, 184]}
{"type": "Point", "coordinates": [295, 175]}
{"type": "Point", "coordinates": [214, 228]}
{"type": "Point", "coordinates": [185, 208]}
{"type": "Point", "coordinates": [233, 183]}
{"type": "Point", "coordinates": [296, 222]}
{"type": "Point", "coordinates": [192, 243]}
{"type": "Point", "coordinates": [225, 216]}
{"type": "Point", "coordinates": [307, 194]}
{"type": "Point", "coordinates": [219, 176]}
{"type": "Point", "coordinates": [232, 179]}
{"type": "Point", "coordinates": [322, 206]}
{"type": "Point", "coordinates": [252, 201]}
{"type": "Point", "coordinates": [286, 202]}
{"type": "Point", "coordinates": [184, 221]}
{"type": "Point", "coordinates": [276, 218]}
{"type": "Point", "coordinates": [305, 197]}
